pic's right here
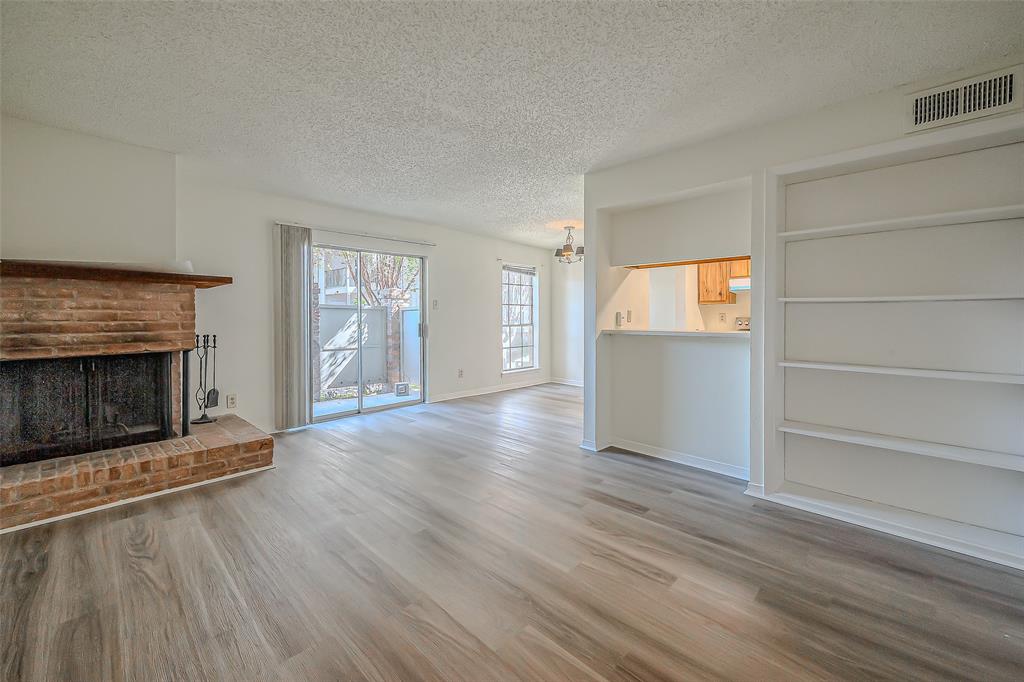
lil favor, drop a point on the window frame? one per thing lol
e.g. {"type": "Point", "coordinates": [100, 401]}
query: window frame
{"type": "Point", "coordinates": [532, 306]}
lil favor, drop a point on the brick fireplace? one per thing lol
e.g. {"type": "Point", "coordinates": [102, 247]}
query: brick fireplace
{"type": "Point", "coordinates": [91, 370]}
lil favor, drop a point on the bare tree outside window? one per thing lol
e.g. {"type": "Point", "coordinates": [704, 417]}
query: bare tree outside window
{"type": "Point", "coordinates": [388, 281]}
{"type": "Point", "coordinates": [518, 318]}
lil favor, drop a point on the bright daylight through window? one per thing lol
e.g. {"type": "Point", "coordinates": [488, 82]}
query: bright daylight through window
{"type": "Point", "coordinates": [518, 319]}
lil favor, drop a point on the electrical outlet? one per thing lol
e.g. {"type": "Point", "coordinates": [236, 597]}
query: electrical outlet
{"type": "Point", "coordinates": [460, 372]}
{"type": "Point", "coordinates": [721, 317]}
{"type": "Point", "coordinates": [231, 401]}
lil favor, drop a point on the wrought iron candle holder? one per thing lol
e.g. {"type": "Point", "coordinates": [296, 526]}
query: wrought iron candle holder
{"type": "Point", "coordinates": [207, 396]}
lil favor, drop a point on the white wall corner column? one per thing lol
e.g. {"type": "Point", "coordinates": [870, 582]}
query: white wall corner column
{"type": "Point", "coordinates": [758, 251]}
{"type": "Point", "coordinates": [596, 285]}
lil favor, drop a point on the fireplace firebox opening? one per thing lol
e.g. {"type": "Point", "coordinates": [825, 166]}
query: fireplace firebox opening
{"type": "Point", "coordinates": [53, 407]}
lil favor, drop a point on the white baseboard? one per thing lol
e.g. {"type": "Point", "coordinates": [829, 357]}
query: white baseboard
{"type": "Point", "coordinates": [997, 547]}
{"type": "Point", "coordinates": [742, 473]}
{"type": "Point", "coordinates": [130, 500]}
{"type": "Point", "coordinates": [588, 445]}
{"type": "Point", "coordinates": [469, 393]}
{"type": "Point", "coordinates": [754, 490]}
{"type": "Point", "coordinates": [567, 382]}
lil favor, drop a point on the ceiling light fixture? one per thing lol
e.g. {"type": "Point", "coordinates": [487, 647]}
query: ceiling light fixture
{"type": "Point", "coordinates": [566, 253]}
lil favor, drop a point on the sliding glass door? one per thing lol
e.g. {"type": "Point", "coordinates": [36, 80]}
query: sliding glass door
{"type": "Point", "coordinates": [367, 346]}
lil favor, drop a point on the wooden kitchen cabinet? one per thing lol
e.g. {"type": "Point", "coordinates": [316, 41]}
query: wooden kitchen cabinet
{"type": "Point", "coordinates": [713, 283]}
{"type": "Point", "coordinates": [739, 268]}
{"type": "Point", "coordinates": [713, 280]}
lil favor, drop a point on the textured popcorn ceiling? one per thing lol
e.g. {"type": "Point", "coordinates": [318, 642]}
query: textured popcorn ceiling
{"type": "Point", "coordinates": [483, 116]}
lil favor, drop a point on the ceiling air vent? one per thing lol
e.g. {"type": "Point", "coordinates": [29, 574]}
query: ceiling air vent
{"type": "Point", "coordinates": [991, 93]}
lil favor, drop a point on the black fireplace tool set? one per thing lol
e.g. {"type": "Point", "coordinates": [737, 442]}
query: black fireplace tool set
{"type": "Point", "coordinates": [207, 396]}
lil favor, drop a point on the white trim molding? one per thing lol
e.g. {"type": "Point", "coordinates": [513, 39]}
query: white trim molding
{"type": "Point", "coordinates": [983, 543]}
{"type": "Point", "coordinates": [469, 393]}
{"type": "Point", "coordinates": [988, 458]}
{"type": "Point", "coordinates": [754, 490]}
{"type": "Point", "coordinates": [975, 215]}
{"type": "Point", "coordinates": [731, 470]}
{"type": "Point", "coordinates": [567, 382]}
{"type": "Point", "coordinates": [955, 375]}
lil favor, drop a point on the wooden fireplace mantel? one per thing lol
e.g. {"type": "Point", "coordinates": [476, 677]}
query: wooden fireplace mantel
{"type": "Point", "coordinates": [97, 271]}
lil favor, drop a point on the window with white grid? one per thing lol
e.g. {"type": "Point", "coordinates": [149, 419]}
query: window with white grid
{"type": "Point", "coordinates": [518, 318]}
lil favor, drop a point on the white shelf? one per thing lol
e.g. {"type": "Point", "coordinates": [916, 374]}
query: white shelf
{"type": "Point", "coordinates": [977, 215]}
{"type": "Point", "coordinates": [900, 299]}
{"type": "Point", "coordinates": [988, 458]}
{"type": "Point", "coordinates": [673, 332]}
{"type": "Point", "coordinates": [986, 377]}
{"type": "Point", "coordinates": [991, 545]}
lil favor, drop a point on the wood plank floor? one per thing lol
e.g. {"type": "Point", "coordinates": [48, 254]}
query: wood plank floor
{"type": "Point", "coordinates": [473, 540]}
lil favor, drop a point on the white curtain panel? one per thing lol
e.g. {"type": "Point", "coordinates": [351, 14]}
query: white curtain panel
{"type": "Point", "coordinates": [293, 319]}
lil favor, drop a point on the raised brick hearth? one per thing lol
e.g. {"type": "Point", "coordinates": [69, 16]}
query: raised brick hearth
{"type": "Point", "coordinates": [42, 490]}
{"type": "Point", "coordinates": [62, 310]}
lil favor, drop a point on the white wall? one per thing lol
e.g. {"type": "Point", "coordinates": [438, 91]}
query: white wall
{"type": "Point", "coordinates": [711, 313]}
{"type": "Point", "coordinates": [227, 230]}
{"type": "Point", "coordinates": [713, 225]}
{"type": "Point", "coordinates": [68, 196]}
{"type": "Point", "coordinates": [667, 297]}
{"type": "Point", "coordinates": [682, 398]}
{"type": "Point", "coordinates": [692, 317]}
{"type": "Point", "coordinates": [629, 295]}
{"type": "Point", "coordinates": [76, 197]}
{"type": "Point", "coordinates": [567, 322]}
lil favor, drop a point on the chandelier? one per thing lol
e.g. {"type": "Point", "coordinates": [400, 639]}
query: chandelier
{"type": "Point", "coordinates": [566, 253]}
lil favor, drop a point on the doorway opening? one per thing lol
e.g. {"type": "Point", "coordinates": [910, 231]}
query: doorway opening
{"type": "Point", "coordinates": [366, 331]}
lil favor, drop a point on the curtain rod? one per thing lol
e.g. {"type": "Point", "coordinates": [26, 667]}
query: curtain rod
{"type": "Point", "coordinates": [356, 234]}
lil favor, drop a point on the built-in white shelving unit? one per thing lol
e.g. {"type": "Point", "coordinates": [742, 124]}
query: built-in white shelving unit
{"type": "Point", "coordinates": [883, 258]}
{"type": "Point", "coordinates": [953, 375]}
{"type": "Point", "coordinates": [977, 215]}
{"type": "Point", "coordinates": [904, 299]}
{"type": "Point", "coordinates": [988, 458]}
{"type": "Point", "coordinates": [1004, 548]}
